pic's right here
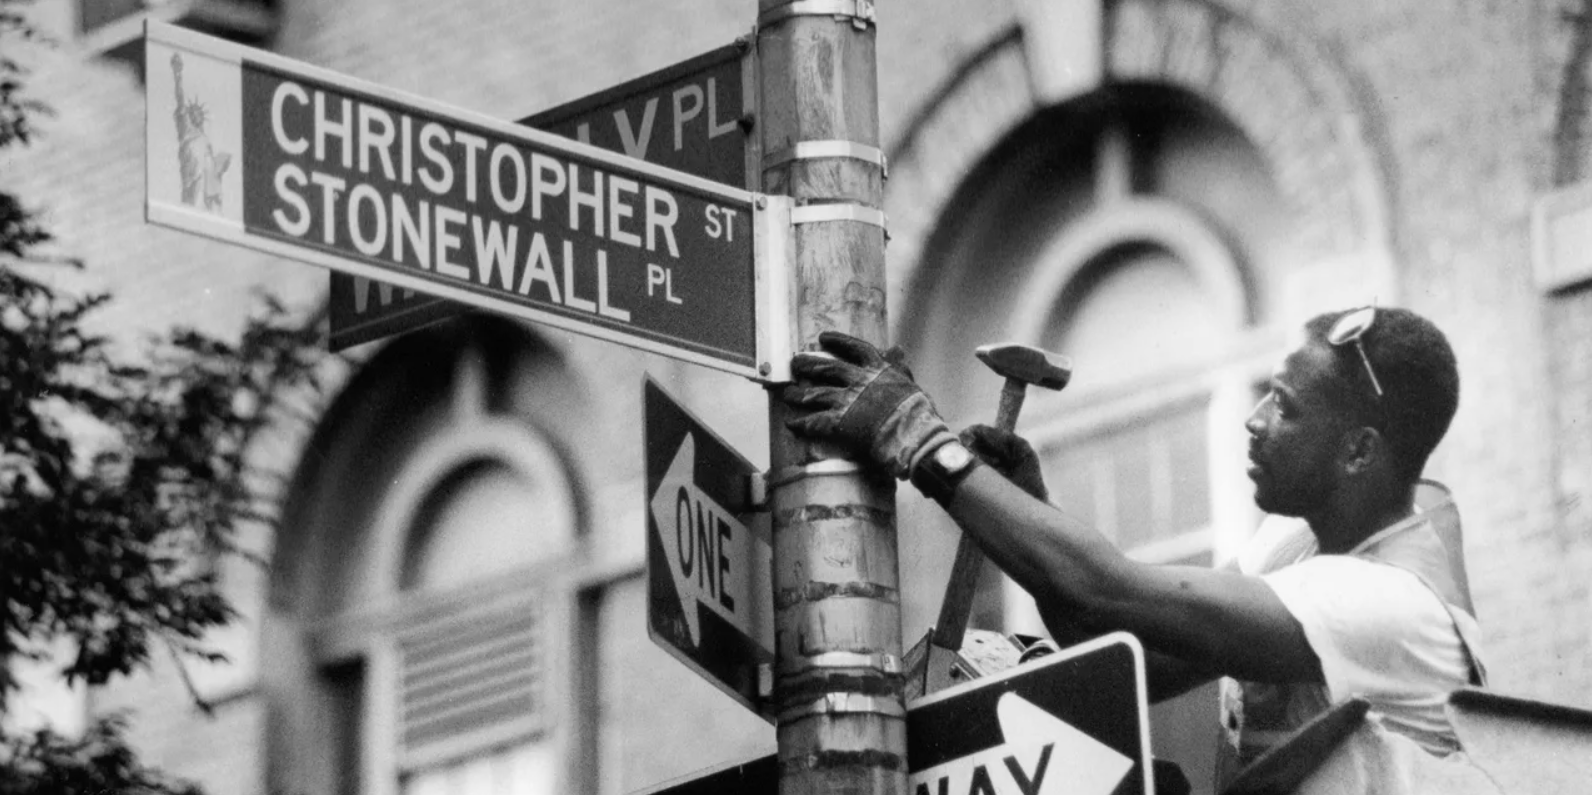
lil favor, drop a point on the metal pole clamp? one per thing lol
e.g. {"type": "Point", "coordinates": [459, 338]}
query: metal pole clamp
{"type": "Point", "coordinates": [816, 150]}
{"type": "Point", "coordinates": [859, 12]}
{"type": "Point", "coordinates": [883, 663]}
{"type": "Point", "coordinates": [838, 211]}
{"type": "Point", "coordinates": [833, 703]}
{"type": "Point", "coordinates": [828, 466]}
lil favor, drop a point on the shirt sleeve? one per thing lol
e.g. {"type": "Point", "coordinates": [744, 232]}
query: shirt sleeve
{"type": "Point", "coordinates": [1378, 631]}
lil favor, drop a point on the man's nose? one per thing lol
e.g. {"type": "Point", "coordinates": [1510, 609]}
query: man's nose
{"type": "Point", "coordinates": [1256, 421]}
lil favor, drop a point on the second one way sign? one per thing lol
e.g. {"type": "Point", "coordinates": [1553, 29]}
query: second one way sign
{"type": "Point", "coordinates": [1073, 723]}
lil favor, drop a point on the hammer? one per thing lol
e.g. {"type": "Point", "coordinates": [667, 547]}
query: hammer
{"type": "Point", "coordinates": [1022, 365]}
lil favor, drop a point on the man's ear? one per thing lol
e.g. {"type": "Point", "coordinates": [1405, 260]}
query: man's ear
{"type": "Point", "coordinates": [1363, 447]}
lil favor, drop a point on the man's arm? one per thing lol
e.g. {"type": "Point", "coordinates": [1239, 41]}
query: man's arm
{"type": "Point", "coordinates": [1014, 458]}
{"type": "Point", "coordinates": [1217, 622]}
{"type": "Point", "coordinates": [853, 394]}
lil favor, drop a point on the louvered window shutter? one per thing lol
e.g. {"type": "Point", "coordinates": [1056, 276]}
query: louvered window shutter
{"type": "Point", "coordinates": [472, 677]}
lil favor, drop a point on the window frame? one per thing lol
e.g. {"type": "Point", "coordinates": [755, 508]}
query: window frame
{"type": "Point", "coordinates": [369, 633]}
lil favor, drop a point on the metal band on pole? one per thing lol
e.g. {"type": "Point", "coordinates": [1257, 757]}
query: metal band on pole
{"type": "Point", "coordinates": [852, 703]}
{"type": "Point", "coordinates": [817, 469]}
{"type": "Point", "coordinates": [859, 12]}
{"type": "Point", "coordinates": [886, 663]}
{"type": "Point", "coordinates": [818, 213]}
{"type": "Point", "coordinates": [818, 150]}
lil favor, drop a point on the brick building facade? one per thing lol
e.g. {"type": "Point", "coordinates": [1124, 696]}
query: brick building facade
{"type": "Point", "coordinates": [1243, 166]}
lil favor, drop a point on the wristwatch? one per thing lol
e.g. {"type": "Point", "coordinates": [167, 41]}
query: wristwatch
{"type": "Point", "coordinates": [939, 473]}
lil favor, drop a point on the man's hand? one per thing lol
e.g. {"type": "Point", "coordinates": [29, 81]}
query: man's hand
{"type": "Point", "coordinates": [866, 400]}
{"type": "Point", "coordinates": [1009, 454]}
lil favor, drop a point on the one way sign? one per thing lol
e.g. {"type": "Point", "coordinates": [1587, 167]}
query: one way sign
{"type": "Point", "coordinates": [1075, 722]}
{"type": "Point", "coordinates": [709, 555]}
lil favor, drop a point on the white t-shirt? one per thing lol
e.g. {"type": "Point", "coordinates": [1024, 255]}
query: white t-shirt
{"type": "Point", "coordinates": [1379, 632]}
{"type": "Point", "coordinates": [1381, 635]}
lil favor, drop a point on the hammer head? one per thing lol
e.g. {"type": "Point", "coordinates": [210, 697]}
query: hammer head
{"type": "Point", "coordinates": [1027, 364]}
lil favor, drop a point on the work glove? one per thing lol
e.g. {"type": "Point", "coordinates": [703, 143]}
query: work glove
{"type": "Point", "coordinates": [1009, 454]}
{"type": "Point", "coordinates": [865, 400]}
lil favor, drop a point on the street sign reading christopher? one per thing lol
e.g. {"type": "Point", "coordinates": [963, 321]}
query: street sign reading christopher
{"type": "Point", "coordinates": [1074, 722]}
{"type": "Point", "coordinates": [709, 553]}
{"type": "Point", "coordinates": [259, 150]}
{"type": "Point", "coordinates": [686, 116]}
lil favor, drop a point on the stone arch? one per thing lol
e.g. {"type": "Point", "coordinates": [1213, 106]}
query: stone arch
{"type": "Point", "coordinates": [472, 444]}
{"type": "Point", "coordinates": [1281, 87]}
{"type": "Point", "coordinates": [1031, 212]}
{"type": "Point", "coordinates": [983, 98]}
{"type": "Point", "coordinates": [400, 420]}
{"type": "Point", "coordinates": [1285, 90]}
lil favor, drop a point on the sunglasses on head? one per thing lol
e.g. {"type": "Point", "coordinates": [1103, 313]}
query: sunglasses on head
{"type": "Point", "coordinates": [1350, 328]}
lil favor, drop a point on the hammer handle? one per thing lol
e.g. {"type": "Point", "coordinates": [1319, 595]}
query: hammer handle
{"type": "Point", "coordinates": [959, 592]}
{"type": "Point", "coordinates": [1012, 395]}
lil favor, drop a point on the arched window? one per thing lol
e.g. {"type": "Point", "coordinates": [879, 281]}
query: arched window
{"type": "Point", "coordinates": [489, 518]}
{"type": "Point", "coordinates": [473, 667]}
{"type": "Point", "coordinates": [1142, 479]}
{"type": "Point", "coordinates": [419, 643]}
{"type": "Point", "coordinates": [1148, 445]}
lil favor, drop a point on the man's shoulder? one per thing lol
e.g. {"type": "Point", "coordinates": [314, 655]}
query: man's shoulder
{"type": "Point", "coordinates": [1377, 630]}
{"type": "Point", "coordinates": [1354, 596]}
{"type": "Point", "coordinates": [1353, 570]}
{"type": "Point", "coordinates": [1279, 541]}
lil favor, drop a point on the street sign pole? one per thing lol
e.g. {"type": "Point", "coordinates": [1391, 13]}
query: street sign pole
{"type": "Point", "coordinates": [837, 682]}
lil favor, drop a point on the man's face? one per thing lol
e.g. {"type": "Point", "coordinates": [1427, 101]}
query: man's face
{"type": "Point", "coordinates": [1295, 434]}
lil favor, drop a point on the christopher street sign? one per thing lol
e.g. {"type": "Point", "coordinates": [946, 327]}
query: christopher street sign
{"type": "Point", "coordinates": [1075, 722]}
{"type": "Point", "coordinates": [260, 150]}
{"type": "Point", "coordinates": [709, 554]}
{"type": "Point", "coordinates": [686, 117]}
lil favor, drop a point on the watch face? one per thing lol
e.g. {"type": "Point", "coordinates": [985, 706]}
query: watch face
{"type": "Point", "coordinates": [953, 457]}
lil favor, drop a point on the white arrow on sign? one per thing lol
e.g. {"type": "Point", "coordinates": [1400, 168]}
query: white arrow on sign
{"type": "Point", "coordinates": [1041, 755]}
{"type": "Point", "coordinates": [712, 555]}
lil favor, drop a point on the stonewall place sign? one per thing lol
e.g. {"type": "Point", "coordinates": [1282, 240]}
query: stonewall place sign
{"type": "Point", "coordinates": [260, 150]}
{"type": "Point", "coordinates": [685, 116]}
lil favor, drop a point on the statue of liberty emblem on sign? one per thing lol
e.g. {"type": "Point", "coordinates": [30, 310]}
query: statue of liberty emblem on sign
{"type": "Point", "coordinates": [202, 167]}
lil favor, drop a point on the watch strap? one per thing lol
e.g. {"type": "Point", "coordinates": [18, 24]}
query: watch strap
{"type": "Point", "coordinates": [935, 479]}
